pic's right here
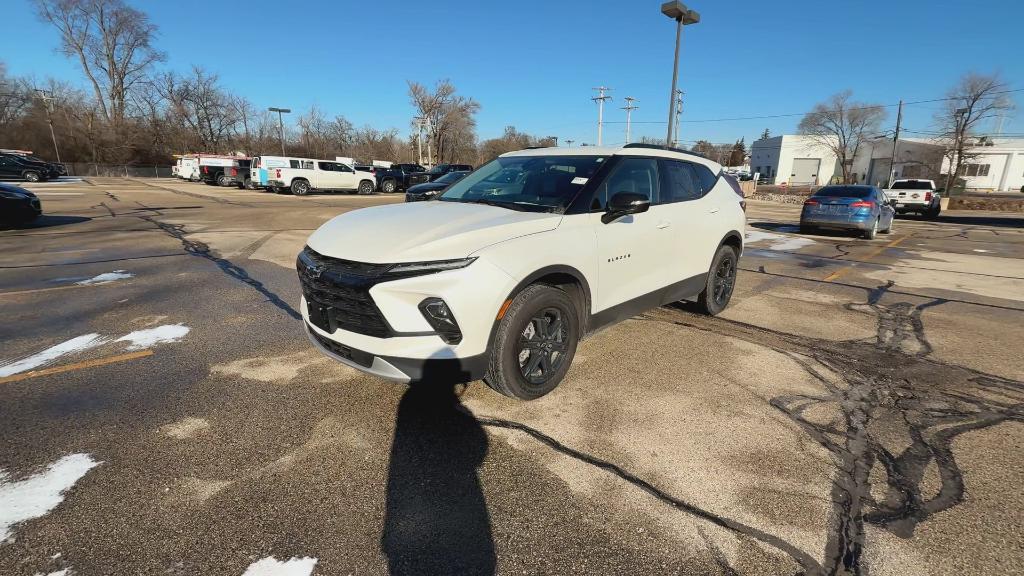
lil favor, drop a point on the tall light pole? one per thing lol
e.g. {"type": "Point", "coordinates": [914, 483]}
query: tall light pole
{"type": "Point", "coordinates": [419, 139]}
{"type": "Point", "coordinates": [554, 139]}
{"type": "Point", "coordinates": [569, 143]}
{"type": "Point", "coordinates": [683, 16]}
{"type": "Point", "coordinates": [629, 113]}
{"type": "Point", "coordinates": [600, 98]}
{"type": "Point", "coordinates": [48, 104]}
{"type": "Point", "coordinates": [280, 125]}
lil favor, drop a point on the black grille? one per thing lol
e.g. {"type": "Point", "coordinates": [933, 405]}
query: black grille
{"type": "Point", "coordinates": [341, 291]}
{"type": "Point", "coordinates": [357, 356]}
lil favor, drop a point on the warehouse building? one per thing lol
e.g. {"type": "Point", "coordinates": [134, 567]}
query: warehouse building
{"type": "Point", "coordinates": [794, 160]}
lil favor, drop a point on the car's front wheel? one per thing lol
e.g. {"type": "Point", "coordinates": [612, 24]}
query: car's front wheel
{"type": "Point", "coordinates": [720, 282]}
{"type": "Point", "coordinates": [31, 176]}
{"type": "Point", "coordinates": [534, 344]}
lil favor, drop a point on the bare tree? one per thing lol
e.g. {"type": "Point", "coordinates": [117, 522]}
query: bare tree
{"type": "Point", "coordinates": [199, 107]}
{"type": "Point", "coordinates": [510, 141]}
{"type": "Point", "coordinates": [973, 101]}
{"type": "Point", "coordinates": [450, 119]}
{"type": "Point", "coordinates": [112, 42]}
{"type": "Point", "coordinates": [841, 125]}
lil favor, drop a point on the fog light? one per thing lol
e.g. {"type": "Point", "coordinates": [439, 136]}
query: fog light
{"type": "Point", "coordinates": [440, 317]}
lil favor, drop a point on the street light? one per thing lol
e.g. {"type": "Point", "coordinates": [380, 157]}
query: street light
{"type": "Point", "coordinates": [683, 16]}
{"type": "Point", "coordinates": [280, 125]}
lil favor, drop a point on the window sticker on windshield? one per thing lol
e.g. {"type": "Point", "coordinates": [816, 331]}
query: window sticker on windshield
{"type": "Point", "coordinates": [579, 180]}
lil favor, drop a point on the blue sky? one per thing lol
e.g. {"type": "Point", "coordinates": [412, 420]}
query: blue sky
{"type": "Point", "coordinates": [532, 63]}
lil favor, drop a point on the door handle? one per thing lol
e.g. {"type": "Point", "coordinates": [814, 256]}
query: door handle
{"type": "Point", "coordinates": [713, 210]}
{"type": "Point", "coordinates": [663, 224]}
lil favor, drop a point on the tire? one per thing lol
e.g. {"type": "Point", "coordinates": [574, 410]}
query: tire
{"type": "Point", "coordinates": [31, 176]}
{"type": "Point", "coordinates": [521, 348]}
{"type": "Point", "coordinates": [300, 187]}
{"type": "Point", "coordinates": [933, 213]}
{"type": "Point", "coordinates": [220, 179]}
{"type": "Point", "coordinates": [720, 282]}
{"type": "Point", "coordinates": [366, 187]}
{"type": "Point", "coordinates": [870, 233]}
{"type": "Point", "coordinates": [807, 229]}
{"type": "Point", "coordinates": [389, 186]}
{"type": "Point", "coordinates": [889, 229]}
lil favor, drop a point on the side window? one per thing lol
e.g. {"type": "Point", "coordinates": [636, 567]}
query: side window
{"type": "Point", "coordinates": [293, 163]}
{"type": "Point", "coordinates": [325, 166]}
{"type": "Point", "coordinates": [344, 168]}
{"type": "Point", "coordinates": [708, 179]}
{"type": "Point", "coordinates": [636, 175]}
{"type": "Point", "coordinates": [681, 182]}
{"type": "Point", "coordinates": [307, 164]}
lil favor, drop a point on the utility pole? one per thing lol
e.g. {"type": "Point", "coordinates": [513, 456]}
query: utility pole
{"type": "Point", "coordinates": [679, 113]}
{"type": "Point", "coordinates": [895, 142]}
{"type": "Point", "coordinates": [430, 139]}
{"type": "Point", "coordinates": [600, 98]}
{"type": "Point", "coordinates": [554, 139]}
{"type": "Point", "coordinates": [629, 112]}
{"type": "Point", "coordinates": [419, 139]}
{"type": "Point", "coordinates": [280, 125]}
{"type": "Point", "coordinates": [48, 104]}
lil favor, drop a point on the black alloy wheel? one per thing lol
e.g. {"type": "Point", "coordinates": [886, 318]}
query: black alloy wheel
{"type": "Point", "coordinates": [542, 346]}
{"type": "Point", "coordinates": [724, 280]}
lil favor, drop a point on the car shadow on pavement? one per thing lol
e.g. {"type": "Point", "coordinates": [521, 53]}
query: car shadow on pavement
{"type": "Point", "coordinates": [436, 520]}
{"type": "Point", "coordinates": [45, 221]}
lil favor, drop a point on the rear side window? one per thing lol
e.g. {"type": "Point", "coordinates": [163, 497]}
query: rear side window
{"type": "Point", "coordinates": [680, 182]}
{"type": "Point", "coordinates": [706, 177]}
{"type": "Point", "coordinates": [293, 163]}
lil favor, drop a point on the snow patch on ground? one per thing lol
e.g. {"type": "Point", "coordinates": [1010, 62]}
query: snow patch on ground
{"type": "Point", "coordinates": [64, 572]}
{"type": "Point", "coordinates": [106, 278]}
{"type": "Point", "coordinates": [40, 493]}
{"type": "Point", "coordinates": [152, 336]}
{"type": "Point", "coordinates": [270, 566]}
{"type": "Point", "coordinates": [51, 354]}
{"type": "Point", "coordinates": [779, 242]}
{"type": "Point", "coordinates": [185, 428]}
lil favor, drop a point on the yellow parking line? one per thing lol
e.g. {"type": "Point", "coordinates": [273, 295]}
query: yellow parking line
{"type": "Point", "coordinates": [77, 366]}
{"type": "Point", "coordinates": [52, 289]}
{"type": "Point", "coordinates": [870, 255]}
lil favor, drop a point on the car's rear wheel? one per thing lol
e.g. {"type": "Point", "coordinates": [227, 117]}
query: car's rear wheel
{"type": "Point", "coordinates": [220, 179]}
{"type": "Point", "coordinates": [31, 176]}
{"type": "Point", "coordinates": [870, 233]}
{"type": "Point", "coordinates": [388, 186]}
{"type": "Point", "coordinates": [534, 344]}
{"type": "Point", "coordinates": [807, 229]}
{"type": "Point", "coordinates": [300, 187]}
{"type": "Point", "coordinates": [933, 212]}
{"type": "Point", "coordinates": [366, 187]}
{"type": "Point", "coordinates": [720, 282]}
{"type": "Point", "coordinates": [888, 229]}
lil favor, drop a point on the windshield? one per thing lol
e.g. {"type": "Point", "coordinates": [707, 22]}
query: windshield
{"type": "Point", "coordinates": [912, 185]}
{"type": "Point", "coordinates": [844, 192]}
{"type": "Point", "coordinates": [451, 177]}
{"type": "Point", "coordinates": [531, 183]}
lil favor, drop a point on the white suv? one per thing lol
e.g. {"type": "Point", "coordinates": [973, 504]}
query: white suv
{"type": "Point", "coordinates": [501, 276]}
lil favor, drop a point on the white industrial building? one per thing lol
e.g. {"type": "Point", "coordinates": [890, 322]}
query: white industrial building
{"type": "Point", "coordinates": [793, 159]}
{"type": "Point", "coordinates": [996, 164]}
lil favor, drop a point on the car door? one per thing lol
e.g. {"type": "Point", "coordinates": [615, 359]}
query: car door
{"type": "Point", "coordinates": [324, 176]}
{"type": "Point", "coordinates": [8, 168]}
{"type": "Point", "coordinates": [630, 249]}
{"type": "Point", "coordinates": [693, 214]}
{"type": "Point", "coordinates": [886, 211]}
{"type": "Point", "coordinates": [347, 177]}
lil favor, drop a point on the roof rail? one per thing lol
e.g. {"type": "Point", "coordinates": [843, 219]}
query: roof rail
{"type": "Point", "coordinates": [663, 147]}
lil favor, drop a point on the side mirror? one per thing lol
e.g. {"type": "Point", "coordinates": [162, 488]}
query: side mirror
{"type": "Point", "coordinates": [625, 203]}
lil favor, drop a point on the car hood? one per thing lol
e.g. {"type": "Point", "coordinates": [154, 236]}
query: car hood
{"type": "Point", "coordinates": [423, 231]}
{"type": "Point", "coordinates": [426, 187]}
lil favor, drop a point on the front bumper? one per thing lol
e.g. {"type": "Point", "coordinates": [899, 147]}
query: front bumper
{"type": "Point", "coordinates": [411, 350]}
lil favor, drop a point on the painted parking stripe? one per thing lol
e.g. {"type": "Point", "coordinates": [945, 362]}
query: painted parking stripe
{"type": "Point", "coordinates": [869, 256]}
{"type": "Point", "coordinates": [77, 366]}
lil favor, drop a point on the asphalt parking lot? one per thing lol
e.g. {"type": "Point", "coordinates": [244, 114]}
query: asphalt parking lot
{"type": "Point", "coordinates": [858, 409]}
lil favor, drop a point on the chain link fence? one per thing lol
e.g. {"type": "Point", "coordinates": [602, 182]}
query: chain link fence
{"type": "Point", "coordinates": [86, 169]}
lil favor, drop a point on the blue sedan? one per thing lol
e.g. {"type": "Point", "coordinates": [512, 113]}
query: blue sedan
{"type": "Point", "coordinates": [848, 207]}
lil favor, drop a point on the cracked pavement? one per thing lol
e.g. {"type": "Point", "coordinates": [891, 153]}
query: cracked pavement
{"type": "Point", "coordinates": [857, 410]}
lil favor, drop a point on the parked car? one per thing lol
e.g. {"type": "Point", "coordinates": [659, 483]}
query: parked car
{"type": "Point", "coordinates": [187, 168]}
{"type": "Point", "coordinates": [400, 177]}
{"type": "Point", "coordinates": [913, 195]}
{"type": "Point", "coordinates": [430, 190]}
{"type": "Point", "coordinates": [261, 168]}
{"type": "Point", "coordinates": [53, 169]}
{"type": "Point", "coordinates": [503, 274]}
{"type": "Point", "coordinates": [848, 207]}
{"type": "Point", "coordinates": [442, 169]}
{"type": "Point", "coordinates": [212, 169]}
{"type": "Point", "coordinates": [17, 205]}
{"type": "Point", "coordinates": [238, 175]}
{"type": "Point", "coordinates": [304, 175]}
{"type": "Point", "coordinates": [18, 167]}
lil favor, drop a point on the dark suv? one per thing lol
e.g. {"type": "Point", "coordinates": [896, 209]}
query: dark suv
{"type": "Point", "coordinates": [442, 169]}
{"type": "Point", "coordinates": [19, 167]}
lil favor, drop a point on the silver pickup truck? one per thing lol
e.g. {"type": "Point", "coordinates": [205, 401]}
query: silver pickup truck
{"type": "Point", "coordinates": [910, 195]}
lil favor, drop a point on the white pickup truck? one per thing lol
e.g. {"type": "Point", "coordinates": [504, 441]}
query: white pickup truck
{"type": "Point", "coordinates": [911, 195]}
{"type": "Point", "coordinates": [303, 175]}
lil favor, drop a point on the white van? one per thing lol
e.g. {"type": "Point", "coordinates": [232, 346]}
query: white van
{"type": "Point", "coordinates": [303, 175]}
{"type": "Point", "coordinates": [188, 168]}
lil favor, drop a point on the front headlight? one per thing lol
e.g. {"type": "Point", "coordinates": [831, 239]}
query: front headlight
{"type": "Point", "coordinates": [418, 268]}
